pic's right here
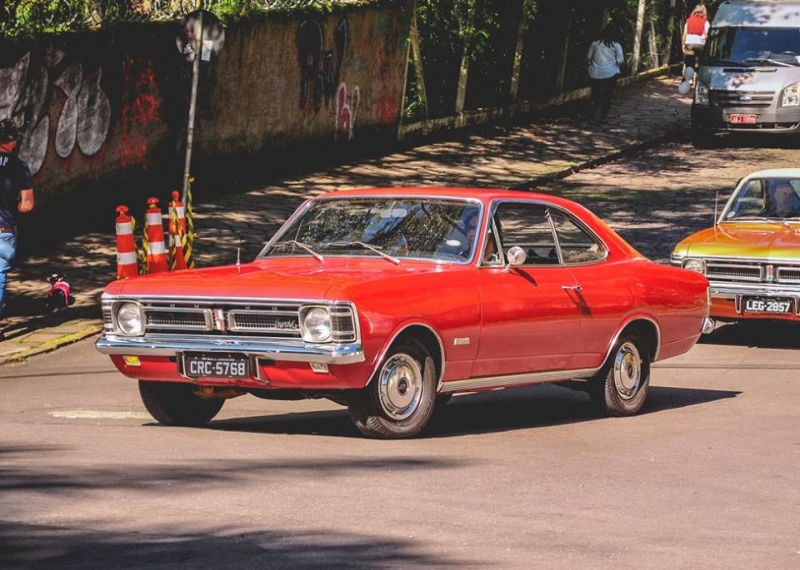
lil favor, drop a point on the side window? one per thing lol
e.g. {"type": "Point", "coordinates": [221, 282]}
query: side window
{"type": "Point", "coordinates": [577, 245]}
{"type": "Point", "coordinates": [527, 226]}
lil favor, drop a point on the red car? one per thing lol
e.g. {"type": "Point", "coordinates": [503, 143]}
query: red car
{"type": "Point", "coordinates": [388, 301]}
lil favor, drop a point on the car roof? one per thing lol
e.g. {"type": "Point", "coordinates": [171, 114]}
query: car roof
{"type": "Point", "coordinates": [775, 173]}
{"type": "Point", "coordinates": [482, 194]}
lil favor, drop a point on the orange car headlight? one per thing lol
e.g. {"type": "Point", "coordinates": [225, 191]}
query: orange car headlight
{"type": "Point", "coordinates": [697, 265]}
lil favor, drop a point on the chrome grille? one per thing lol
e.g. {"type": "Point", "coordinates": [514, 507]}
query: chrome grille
{"type": "Point", "coordinates": [279, 320]}
{"type": "Point", "coordinates": [282, 323]}
{"type": "Point", "coordinates": [162, 318]}
{"type": "Point", "coordinates": [752, 272]}
{"type": "Point", "coordinates": [733, 271]}
{"type": "Point", "coordinates": [753, 99]}
{"type": "Point", "coordinates": [788, 274]}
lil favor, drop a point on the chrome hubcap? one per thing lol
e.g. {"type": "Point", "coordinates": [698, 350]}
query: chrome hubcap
{"type": "Point", "coordinates": [627, 371]}
{"type": "Point", "coordinates": [400, 387]}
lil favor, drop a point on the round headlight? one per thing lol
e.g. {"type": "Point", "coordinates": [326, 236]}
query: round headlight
{"type": "Point", "coordinates": [317, 325]}
{"type": "Point", "coordinates": [695, 265]}
{"type": "Point", "coordinates": [129, 319]}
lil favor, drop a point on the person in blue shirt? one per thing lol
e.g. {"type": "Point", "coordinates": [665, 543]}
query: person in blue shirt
{"type": "Point", "coordinates": [16, 195]}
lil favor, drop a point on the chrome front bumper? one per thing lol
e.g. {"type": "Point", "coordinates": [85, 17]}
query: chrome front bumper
{"type": "Point", "coordinates": [736, 292]}
{"type": "Point", "coordinates": [291, 351]}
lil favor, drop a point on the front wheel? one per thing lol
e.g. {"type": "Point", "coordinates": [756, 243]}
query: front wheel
{"type": "Point", "coordinates": [176, 404]}
{"type": "Point", "coordinates": [400, 398]}
{"type": "Point", "coordinates": [621, 386]}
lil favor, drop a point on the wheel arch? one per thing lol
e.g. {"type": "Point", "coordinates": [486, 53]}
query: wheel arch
{"type": "Point", "coordinates": [427, 337]}
{"type": "Point", "coordinates": [647, 328]}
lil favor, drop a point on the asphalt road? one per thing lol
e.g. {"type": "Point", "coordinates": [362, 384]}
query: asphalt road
{"type": "Point", "coordinates": [708, 476]}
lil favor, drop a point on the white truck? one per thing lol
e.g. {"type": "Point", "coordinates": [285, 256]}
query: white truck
{"type": "Point", "coordinates": [749, 73]}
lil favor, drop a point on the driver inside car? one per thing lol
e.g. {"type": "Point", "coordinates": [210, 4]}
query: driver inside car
{"type": "Point", "coordinates": [784, 202]}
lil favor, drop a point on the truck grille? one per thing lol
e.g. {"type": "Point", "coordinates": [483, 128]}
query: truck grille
{"type": "Point", "coordinates": [750, 99]}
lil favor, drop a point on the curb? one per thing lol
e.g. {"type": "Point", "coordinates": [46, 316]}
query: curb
{"type": "Point", "coordinates": [52, 345]}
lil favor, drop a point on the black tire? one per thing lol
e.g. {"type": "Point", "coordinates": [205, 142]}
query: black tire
{"type": "Point", "coordinates": [399, 400]}
{"type": "Point", "coordinates": [176, 404]}
{"type": "Point", "coordinates": [622, 385]}
{"type": "Point", "coordinates": [703, 139]}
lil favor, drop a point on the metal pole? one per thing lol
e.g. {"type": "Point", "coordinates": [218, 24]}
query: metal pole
{"type": "Point", "coordinates": [198, 51]}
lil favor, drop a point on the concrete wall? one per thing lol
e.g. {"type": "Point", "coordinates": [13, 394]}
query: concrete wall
{"type": "Point", "coordinates": [103, 107]}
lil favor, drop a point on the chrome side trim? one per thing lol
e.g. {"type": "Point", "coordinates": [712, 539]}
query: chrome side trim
{"type": "Point", "coordinates": [289, 351]}
{"type": "Point", "coordinates": [515, 380]}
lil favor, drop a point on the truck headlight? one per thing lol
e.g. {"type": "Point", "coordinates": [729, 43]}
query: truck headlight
{"type": "Point", "coordinates": [129, 319]}
{"type": "Point", "coordinates": [315, 324]}
{"type": "Point", "coordinates": [701, 94]}
{"type": "Point", "coordinates": [697, 265]}
{"type": "Point", "coordinates": [791, 96]}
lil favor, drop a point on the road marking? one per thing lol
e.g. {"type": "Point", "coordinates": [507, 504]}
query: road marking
{"type": "Point", "coordinates": [95, 415]}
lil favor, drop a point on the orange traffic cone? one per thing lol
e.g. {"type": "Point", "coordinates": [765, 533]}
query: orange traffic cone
{"type": "Point", "coordinates": [154, 230]}
{"type": "Point", "coordinates": [127, 265]}
{"type": "Point", "coordinates": [177, 233]}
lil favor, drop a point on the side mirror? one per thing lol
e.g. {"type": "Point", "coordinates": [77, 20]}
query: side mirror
{"type": "Point", "coordinates": [516, 256]}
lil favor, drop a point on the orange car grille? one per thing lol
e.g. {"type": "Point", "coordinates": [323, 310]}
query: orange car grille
{"type": "Point", "coordinates": [755, 272]}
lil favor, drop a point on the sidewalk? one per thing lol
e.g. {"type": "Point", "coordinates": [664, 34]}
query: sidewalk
{"type": "Point", "coordinates": [553, 144]}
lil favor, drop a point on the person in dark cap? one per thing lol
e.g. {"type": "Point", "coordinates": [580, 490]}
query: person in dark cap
{"type": "Point", "coordinates": [16, 195]}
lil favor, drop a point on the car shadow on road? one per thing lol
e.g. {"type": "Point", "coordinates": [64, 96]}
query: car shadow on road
{"type": "Point", "coordinates": [755, 334]}
{"type": "Point", "coordinates": [487, 412]}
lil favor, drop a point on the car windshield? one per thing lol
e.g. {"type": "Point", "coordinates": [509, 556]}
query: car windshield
{"type": "Point", "coordinates": [755, 46]}
{"type": "Point", "coordinates": [765, 199]}
{"type": "Point", "coordinates": [390, 227]}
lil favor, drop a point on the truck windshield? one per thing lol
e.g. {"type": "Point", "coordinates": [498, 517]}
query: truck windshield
{"type": "Point", "coordinates": [755, 46]}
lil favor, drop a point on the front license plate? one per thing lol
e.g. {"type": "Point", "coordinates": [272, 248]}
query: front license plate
{"type": "Point", "coordinates": [216, 365]}
{"type": "Point", "coordinates": [738, 119]}
{"type": "Point", "coordinates": [766, 305]}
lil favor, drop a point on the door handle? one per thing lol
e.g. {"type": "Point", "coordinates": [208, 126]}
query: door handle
{"type": "Point", "coordinates": [576, 288]}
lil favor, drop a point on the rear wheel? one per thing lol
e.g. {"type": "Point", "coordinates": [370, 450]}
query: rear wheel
{"type": "Point", "coordinates": [621, 386]}
{"type": "Point", "coordinates": [176, 404]}
{"type": "Point", "coordinates": [400, 398]}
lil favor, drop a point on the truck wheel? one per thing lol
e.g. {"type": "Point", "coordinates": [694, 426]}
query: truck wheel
{"type": "Point", "coordinates": [703, 139]}
{"type": "Point", "coordinates": [399, 399]}
{"type": "Point", "coordinates": [175, 404]}
{"type": "Point", "coordinates": [621, 386]}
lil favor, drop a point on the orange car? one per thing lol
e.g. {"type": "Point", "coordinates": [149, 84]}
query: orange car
{"type": "Point", "coordinates": [751, 257]}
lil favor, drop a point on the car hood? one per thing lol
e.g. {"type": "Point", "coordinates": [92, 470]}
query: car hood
{"type": "Point", "coordinates": [294, 278]}
{"type": "Point", "coordinates": [747, 79]}
{"type": "Point", "coordinates": [773, 240]}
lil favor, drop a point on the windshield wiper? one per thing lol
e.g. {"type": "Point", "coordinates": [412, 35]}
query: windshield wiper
{"type": "Point", "coordinates": [301, 245]}
{"type": "Point", "coordinates": [365, 246]}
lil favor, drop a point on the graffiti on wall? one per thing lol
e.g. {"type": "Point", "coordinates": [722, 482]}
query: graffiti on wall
{"type": "Point", "coordinates": [346, 109]}
{"type": "Point", "coordinates": [320, 68]}
{"type": "Point", "coordinates": [140, 106]}
{"type": "Point", "coordinates": [84, 117]}
{"type": "Point", "coordinates": [321, 74]}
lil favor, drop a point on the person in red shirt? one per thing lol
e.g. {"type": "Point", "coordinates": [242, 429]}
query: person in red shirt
{"type": "Point", "coordinates": [695, 34]}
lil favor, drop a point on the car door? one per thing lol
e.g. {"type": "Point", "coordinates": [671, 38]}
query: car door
{"type": "Point", "coordinates": [605, 291]}
{"type": "Point", "coordinates": [529, 317]}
